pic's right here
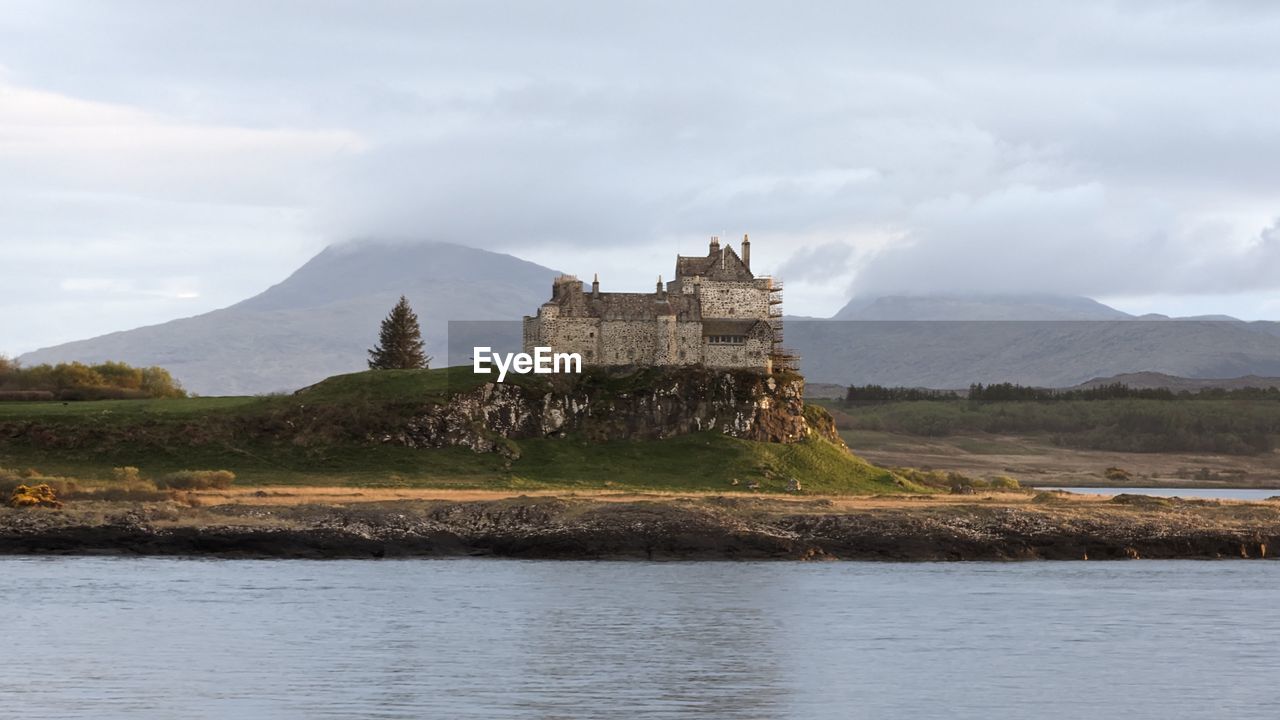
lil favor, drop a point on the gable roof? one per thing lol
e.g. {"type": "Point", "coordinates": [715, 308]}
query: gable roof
{"type": "Point", "coordinates": [722, 264]}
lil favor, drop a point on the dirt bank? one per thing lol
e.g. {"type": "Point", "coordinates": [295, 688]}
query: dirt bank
{"type": "Point", "coordinates": [999, 528]}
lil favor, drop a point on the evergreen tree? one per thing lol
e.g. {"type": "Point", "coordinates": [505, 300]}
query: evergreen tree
{"type": "Point", "coordinates": [399, 341]}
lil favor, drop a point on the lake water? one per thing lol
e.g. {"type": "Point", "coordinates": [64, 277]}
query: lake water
{"type": "Point", "coordinates": [164, 638]}
{"type": "Point", "coordinates": [1207, 493]}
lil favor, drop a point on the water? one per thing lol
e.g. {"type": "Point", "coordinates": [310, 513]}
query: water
{"type": "Point", "coordinates": [93, 637]}
{"type": "Point", "coordinates": [1209, 493]}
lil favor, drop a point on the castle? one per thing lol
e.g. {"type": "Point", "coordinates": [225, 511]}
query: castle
{"type": "Point", "coordinates": [715, 313]}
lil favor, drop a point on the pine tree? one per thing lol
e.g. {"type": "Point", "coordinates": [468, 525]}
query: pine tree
{"type": "Point", "coordinates": [399, 341]}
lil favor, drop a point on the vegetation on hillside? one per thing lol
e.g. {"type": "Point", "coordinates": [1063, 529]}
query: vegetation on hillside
{"type": "Point", "coordinates": [1010, 392]}
{"type": "Point", "coordinates": [1117, 418]}
{"type": "Point", "coordinates": [328, 434]}
{"type": "Point", "coordinates": [78, 381]}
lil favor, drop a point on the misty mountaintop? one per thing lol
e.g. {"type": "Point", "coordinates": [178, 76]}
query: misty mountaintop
{"type": "Point", "coordinates": [321, 320]}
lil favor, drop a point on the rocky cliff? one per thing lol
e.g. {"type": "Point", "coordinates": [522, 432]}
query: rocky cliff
{"type": "Point", "coordinates": [602, 405]}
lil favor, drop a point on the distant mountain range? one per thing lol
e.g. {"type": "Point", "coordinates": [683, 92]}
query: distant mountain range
{"type": "Point", "coordinates": [951, 341]}
{"type": "Point", "coordinates": [978, 307]}
{"type": "Point", "coordinates": [1054, 353]}
{"type": "Point", "coordinates": [322, 318]}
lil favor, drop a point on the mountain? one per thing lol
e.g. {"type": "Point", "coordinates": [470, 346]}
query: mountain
{"type": "Point", "coordinates": [978, 307]}
{"type": "Point", "coordinates": [321, 319]}
{"type": "Point", "coordinates": [951, 341]}
{"type": "Point", "coordinates": [954, 354]}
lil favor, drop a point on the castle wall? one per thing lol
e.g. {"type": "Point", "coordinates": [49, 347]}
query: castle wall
{"type": "Point", "coordinates": [564, 334]}
{"type": "Point", "coordinates": [744, 299]}
{"type": "Point", "coordinates": [753, 353]}
{"type": "Point", "coordinates": [628, 342]}
{"type": "Point", "coordinates": [689, 343]}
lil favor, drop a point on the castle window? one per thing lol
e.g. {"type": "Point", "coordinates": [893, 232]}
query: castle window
{"type": "Point", "coordinates": [727, 339]}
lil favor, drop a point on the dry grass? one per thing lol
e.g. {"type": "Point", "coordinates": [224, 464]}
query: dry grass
{"type": "Point", "coordinates": [286, 495]}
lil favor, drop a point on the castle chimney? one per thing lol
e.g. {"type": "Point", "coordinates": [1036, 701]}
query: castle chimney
{"type": "Point", "coordinates": [662, 290]}
{"type": "Point", "coordinates": [715, 244]}
{"type": "Point", "coordinates": [595, 286]}
{"type": "Point", "coordinates": [746, 251]}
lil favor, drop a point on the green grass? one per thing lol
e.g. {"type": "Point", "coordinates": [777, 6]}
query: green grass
{"type": "Point", "coordinates": [1237, 426]}
{"type": "Point", "coordinates": [133, 408]}
{"type": "Point", "coordinates": [701, 461]}
{"type": "Point", "coordinates": [259, 439]}
{"type": "Point", "coordinates": [396, 385]}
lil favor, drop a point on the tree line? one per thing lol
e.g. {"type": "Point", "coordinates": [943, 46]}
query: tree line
{"type": "Point", "coordinates": [864, 395]}
{"type": "Point", "coordinates": [80, 381]}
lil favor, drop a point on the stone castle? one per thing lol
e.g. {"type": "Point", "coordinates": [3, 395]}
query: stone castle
{"type": "Point", "coordinates": [715, 313]}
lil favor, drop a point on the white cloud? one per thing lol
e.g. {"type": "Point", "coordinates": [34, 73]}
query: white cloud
{"type": "Point", "coordinates": [1118, 149]}
{"type": "Point", "coordinates": [131, 208]}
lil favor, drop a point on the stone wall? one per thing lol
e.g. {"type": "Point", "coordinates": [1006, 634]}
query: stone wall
{"type": "Point", "coordinates": [733, 299]}
{"type": "Point", "coordinates": [628, 342]}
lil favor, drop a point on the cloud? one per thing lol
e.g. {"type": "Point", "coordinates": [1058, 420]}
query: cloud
{"type": "Point", "coordinates": [1087, 147]}
{"type": "Point", "coordinates": [116, 207]}
{"type": "Point", "coordinates": [820, 262]}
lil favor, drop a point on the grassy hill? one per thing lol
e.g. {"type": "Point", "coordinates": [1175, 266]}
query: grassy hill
{"type": "Point", "coordinates": [322, 436]}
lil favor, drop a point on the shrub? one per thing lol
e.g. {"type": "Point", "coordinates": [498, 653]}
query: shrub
{"type": "Point", "coordinates": [77, 381]}
{"type": "Point", "coordinates": [1118, 474]}
{"type": "Point", "coordinates": [126, 474]}
{"type": "Point", "coordinates": [1004, 482]}
{"type": "Point", "coordinates": [11, 480]}
{"type": "Point", "coordinates": [198, 480]}
{"type": "Point", "coordinates": [24, 496]}
{"type": "Point", "coordinates": [1043, 498]}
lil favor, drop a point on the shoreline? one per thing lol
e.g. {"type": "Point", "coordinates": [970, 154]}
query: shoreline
{"type": "Point", "coordinates": [1001, 527]}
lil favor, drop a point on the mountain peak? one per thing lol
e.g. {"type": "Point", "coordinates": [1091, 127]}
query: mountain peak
{"type": "Point", "coordinates": [322, 318]}
{"type": "Point", "coordinates": [360, 268]}
{"type": "Point", "coordinates": [960, 307]}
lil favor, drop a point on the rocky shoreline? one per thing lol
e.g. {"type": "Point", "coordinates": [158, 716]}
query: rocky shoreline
{"type": "Point", "coordinates": [722, 528]}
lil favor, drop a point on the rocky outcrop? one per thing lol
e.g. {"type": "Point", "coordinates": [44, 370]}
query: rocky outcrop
{"type": "Point", "coordinates": [603, 405]}
{"type": "Point", "coordinates": [709, 528]}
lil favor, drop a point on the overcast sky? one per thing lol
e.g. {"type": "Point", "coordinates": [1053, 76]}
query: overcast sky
{"type": "Point", "coordinates": [160, 159]}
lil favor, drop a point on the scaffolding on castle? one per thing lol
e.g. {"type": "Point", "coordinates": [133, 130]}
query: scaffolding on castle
{"type": "Point", "coordinates": [782, 359]}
